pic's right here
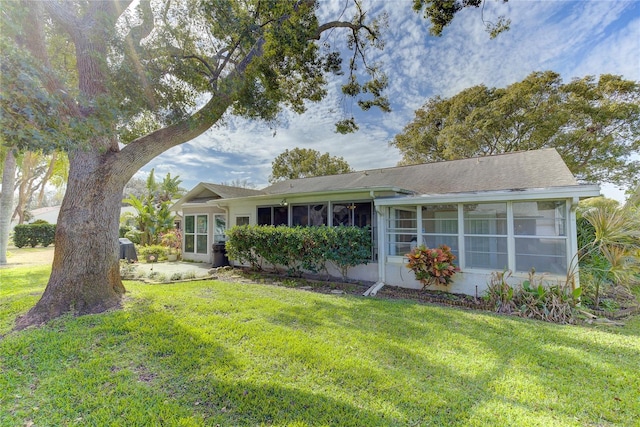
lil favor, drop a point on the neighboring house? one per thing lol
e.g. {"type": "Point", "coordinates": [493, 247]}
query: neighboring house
{"type": "Point", "coordinates": [512, 211]}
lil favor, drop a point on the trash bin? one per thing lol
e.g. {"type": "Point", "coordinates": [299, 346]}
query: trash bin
{"type": "Point", "coordinates": [220, 255]}
{"type": "Point", "coordinates": [127, 250]}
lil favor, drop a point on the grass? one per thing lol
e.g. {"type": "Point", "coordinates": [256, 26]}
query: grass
{"type": "Point", "coordinates": [212, 353]}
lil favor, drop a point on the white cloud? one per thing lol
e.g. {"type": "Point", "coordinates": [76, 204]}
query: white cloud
{"type": "Point", "coordinates": [574, 38]}
{"type": "Point", "coordinates": [617, 52]}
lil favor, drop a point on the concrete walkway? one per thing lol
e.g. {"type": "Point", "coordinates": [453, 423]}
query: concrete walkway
{"type": "Point", "coordinates": [200, 269]}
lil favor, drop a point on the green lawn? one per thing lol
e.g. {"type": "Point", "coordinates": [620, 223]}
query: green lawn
{"type": "Point", "coordinates": [212, 353]}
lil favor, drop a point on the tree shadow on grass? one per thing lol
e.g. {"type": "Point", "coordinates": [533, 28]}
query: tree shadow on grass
{"type": "Point", "coordinates": [196, 370]}
{"type": "Point", "coordinates": [147, 365]}
{"type": "Point", "coordinates": [547, 358]}
{"type": "Point", "coordinates": [143, 366]}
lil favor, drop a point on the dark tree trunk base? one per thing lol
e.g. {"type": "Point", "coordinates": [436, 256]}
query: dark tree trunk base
{"type": "Point", "coordinates": [85, 274]}
{"type": "Point", "coordinates": [45, 311]}
{"type": "Point", "coordinates": [61, 297]}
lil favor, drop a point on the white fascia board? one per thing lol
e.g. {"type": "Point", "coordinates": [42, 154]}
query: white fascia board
{"type": "Point", "coordinates": [579, 191]}
{"type": "Point", "coordinates": [258, 197]}
{"type": "Point", "coordinates": [184, 200]}
{"type": "Point", "coordinates": [196, 205]}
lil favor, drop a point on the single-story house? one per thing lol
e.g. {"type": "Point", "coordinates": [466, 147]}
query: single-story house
{"type": "Point", "coordinates": [512, 211]}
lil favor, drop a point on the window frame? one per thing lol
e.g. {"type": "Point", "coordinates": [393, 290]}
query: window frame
{"type": "Point", "coordinates": [494, 235]}
{"type": "Point", "coordinates": [398, 233]}
{"type": "Point", "coordinates": [196, 234]}
{"type": "Point", "coordinates": [447, 220]}
{"type": "Point", "coordinates": [503, 231]}
{"type": "Point", "coordinates": [272, 215]}
{"type": "Point", "coordinates": [324, 214]}
{"type": "Point", "coordinates": [555, 241]}
{"type": "Point", "coordinates": [242, 219]}
{"type": "Point", "coordinates": [215, 228]}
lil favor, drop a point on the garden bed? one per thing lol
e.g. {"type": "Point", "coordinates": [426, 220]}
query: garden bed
{"type": "Point", "coordinates": [435, 297]}
{"type": "Point", "coordinates": [615, 303]}
{"type": "Point", "coordinates": [627, 304]}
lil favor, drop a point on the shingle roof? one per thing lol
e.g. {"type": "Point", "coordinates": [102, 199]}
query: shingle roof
{"type": "Point", "coordinates": [520, 170]}
{"type": "Point", "coordinates": [229, 192]}
{"type": "Point", "coordinates": [536, 169]}
{"type": "Point", "coordinates": [205, 191]}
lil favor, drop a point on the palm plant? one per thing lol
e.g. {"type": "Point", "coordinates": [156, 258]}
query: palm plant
{"type": "Point", "coordinates": [153, 214]}
{"type": "Point", "coordinates": [144, 218]}
{"type": "Point", "coordinates": [612, 254]}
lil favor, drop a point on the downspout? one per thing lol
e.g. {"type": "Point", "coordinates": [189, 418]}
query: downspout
{"type": "Point", "coordinates": [224, 208]}
{"type": "Point", "coordinates": [373, 290]}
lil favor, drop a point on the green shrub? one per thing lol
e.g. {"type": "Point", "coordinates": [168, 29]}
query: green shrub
{"type": "Point", "coordinates": [553, 303]}
{"type": "Point", "coordinates": [241, 243]}
{"type": "Point", "coordinates": [124, 229]}
{"type": "Point", "coordinates": [32, 235]}
{"type": "Point", "coordinates": [157, 251]}
{"type": "Point", "coordinates": [134, 235]}
{"type": "Point", "coordinates": [128, 270]}
{"type": "Point", "coordinates": [299, 249]}
{"type": "Point", "coordinates": [348, 247]}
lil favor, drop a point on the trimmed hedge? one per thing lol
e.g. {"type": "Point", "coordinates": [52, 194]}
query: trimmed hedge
{"type": "Point", "coordinates": [34, 234]}
{"type": "Point", "coordinates": [299, 249]}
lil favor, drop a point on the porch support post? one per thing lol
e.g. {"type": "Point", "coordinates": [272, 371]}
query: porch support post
{"type": "Point", "coordinates": [572, 236]}
{"type": "Point", "coordinates": [382, 249]}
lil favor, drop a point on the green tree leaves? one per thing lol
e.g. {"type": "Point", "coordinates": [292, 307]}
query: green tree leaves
{"type": "Point", "coordinates": [153, 214]}
{"type": "Point", "coordinates": [304, 163]}
{"type": "Point", "coordinates": [594, 124]}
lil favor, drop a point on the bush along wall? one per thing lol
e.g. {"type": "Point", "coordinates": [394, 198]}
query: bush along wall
{"type": "Point", "coordinates": [299, 249]}
{"type": "Point", "coordinates": [34, 234]}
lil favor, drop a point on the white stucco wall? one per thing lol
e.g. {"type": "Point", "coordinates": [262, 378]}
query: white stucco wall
{"type": "Point", "coordinates": [468, 282]}
{"type": "Point", "coordinates": [391, 270]}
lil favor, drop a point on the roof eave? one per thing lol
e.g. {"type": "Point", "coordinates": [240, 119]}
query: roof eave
{"type": "Point", "coordinates": [566, 192]}
{"type": "Point", "coordinates": [397, 190]}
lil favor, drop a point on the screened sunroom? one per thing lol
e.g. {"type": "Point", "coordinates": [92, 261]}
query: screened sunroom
{"type": "Point", "coordinates": [520, 231]}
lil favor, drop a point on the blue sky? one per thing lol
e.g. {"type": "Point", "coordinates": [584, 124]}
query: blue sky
{"type": "Point", "coordinates": [573, 38]}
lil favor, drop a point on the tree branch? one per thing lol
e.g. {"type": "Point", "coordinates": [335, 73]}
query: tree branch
{"type": "Point", "coordinates": [63, 14]}
{"type": "Point", "coordinates": [140, 32]}
{"type": "Point", "coordinates": [144, 149]}
{"type": "Point", "coordinates": [341, 24]}
{"type": "Point", "coordinates": [35, 43]}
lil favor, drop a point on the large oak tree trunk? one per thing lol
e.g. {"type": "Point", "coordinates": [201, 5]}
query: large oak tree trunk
{"type": "Point", "coordinates": [85, 276]}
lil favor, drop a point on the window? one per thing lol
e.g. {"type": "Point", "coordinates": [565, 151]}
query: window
{"type": "Point", "coordinates": [485, 235]}
{"type": "Point", "coordinates": [351, 214]}
{"type": "Point", "coordinates": [440, 226]}
{"type": "Point", "coordinates": [309, 215]}
{"type": "Point", "coordinates": [540, 236]}
{"type": "Point", "coordinates": [242, 220]}
{"type": "Point", "coordinates": [220, 226]}
{"type": "Point", "coordinates": [273, 215]}
{"type": "Point", "coordinates": [493, 236]}
{"type": "Point", "coordinates": [402, 230]}
{"type": "Point", "coordinates": [196, 234]}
